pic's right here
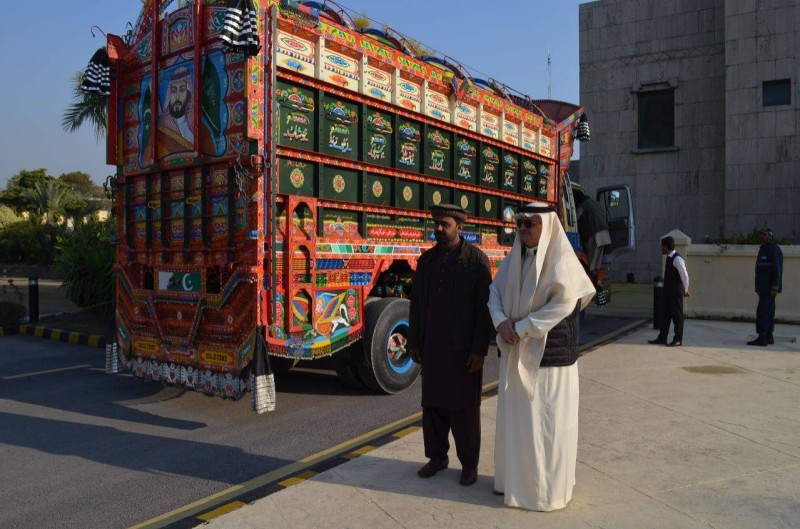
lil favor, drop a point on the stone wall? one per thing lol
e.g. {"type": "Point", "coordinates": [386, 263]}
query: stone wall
{"type": "Point", "coordinates": [735, 164]}
{"type": "Point", "coordinates": [722, 277]}
{"type": "Point", "coordinates": [762, 151]}
{"type": "Point", "coordinates": [625, 45]}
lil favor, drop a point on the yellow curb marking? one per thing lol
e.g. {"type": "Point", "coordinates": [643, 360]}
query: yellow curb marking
{"type": "Point", "coordinates": [94, 339]}
{"type": "Point", "coordinates": [74, 337]}
{"type": "Point", "coordinates": [406, 431]}
{"type": "Point", "coordinates": [360, 452]}
{"type": "Point", "coordinates": [298, 478]}
{"type": "Point", "coordinates": [225, 509]}
{"type": "Point", "coordinates": [55, 334]}
{"type": "Point", "coordinates": [24, 375]}
{"type": "Point", "coordinates": [38, 332]}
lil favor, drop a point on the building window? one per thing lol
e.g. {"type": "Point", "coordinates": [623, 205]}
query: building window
{"type": "Point", "coordinates": [656, 119]}
{"type": "Point", "coordinates": [777, 92]}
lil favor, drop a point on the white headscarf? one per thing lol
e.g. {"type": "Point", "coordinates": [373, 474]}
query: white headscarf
{"type": "Point", "coordinates": [550, 291]}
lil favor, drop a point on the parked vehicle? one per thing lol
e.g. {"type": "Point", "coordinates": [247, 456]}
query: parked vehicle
{"type": "Point", "coordinates": [278, 190]}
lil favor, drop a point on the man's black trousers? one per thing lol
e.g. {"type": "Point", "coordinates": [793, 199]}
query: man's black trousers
{"type": "Point", "coordinates": [466, 426]}
{"type": "Point", "coordinates": [671, 311]}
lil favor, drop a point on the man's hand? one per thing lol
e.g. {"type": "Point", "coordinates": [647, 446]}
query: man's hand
{"type": "Point", "coordinates": [507, 331]}
{"type": "Point", "coordinates": [773, 292]}
{"type": "Point", "coordinates": [475, 363]}
{"type": "Point", "coordinates": [687, 294]}
{"type": "Point", "coordinates": [416, 355]}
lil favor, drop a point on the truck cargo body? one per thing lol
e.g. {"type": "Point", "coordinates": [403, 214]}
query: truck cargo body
{"type": "Point", "coordinates": [281, 197]}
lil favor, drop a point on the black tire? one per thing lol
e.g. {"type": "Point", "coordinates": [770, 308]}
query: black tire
{"type": "Point", "coordinates": [387, 370]}
{"type": "Point", "coordinates": [281, 365]}
{"type": "Point", "coordinates": [349, 376]}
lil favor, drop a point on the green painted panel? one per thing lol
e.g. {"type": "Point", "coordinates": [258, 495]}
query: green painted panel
{"type": "Point", "coordinates": [466, 160]}
{"type": "Point", "coordinates": [438, 152]}
{"type": "Point", "coordinates": [489, 207]}
{"type": "Point", "coordinates": [408, 194]}
{"type": "Point", "coordinates": [435, 195]}
{"type": "Point", "coordinates": [544, 175]}
{"type": "Point", "coordinates": [377, 190]}
{"type": "Point", "coordinates": [467, 200]}
{"type": "Point", "coordinates": [339, 124]}
{"type": "Point", "coordinates": [378, 226]}
{"type": "Point", "coordinates": [296, 124]}
{"type": "Point", "coordinates": [296, 177]}
{"type": "Point", "coordinates": [408, 153]}
{"type": "Point", "coordinates": [338, 223]}
{"type": "Point", "coordinates": [490, 166]}
{"type": "Point", "coordinates": [339, 184]}
{"type": "Point", "coordinates": [529, 179]}
{"type": "Point", "coordinates": [378, 137]}
{"type": "Point", "coordinates": [510, 175]}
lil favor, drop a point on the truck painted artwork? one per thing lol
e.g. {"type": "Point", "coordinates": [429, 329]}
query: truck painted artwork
{"type": "Point", "coordinates": [281, 196]}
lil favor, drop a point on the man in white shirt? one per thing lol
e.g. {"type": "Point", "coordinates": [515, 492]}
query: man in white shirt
{"type": "Point", "coordinates": [676, 287]}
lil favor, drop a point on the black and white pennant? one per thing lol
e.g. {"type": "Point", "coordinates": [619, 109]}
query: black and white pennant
{"type": "Point", "coordinates": [240, 29]}
{"type": "Point", "coordinates": [96, 77]}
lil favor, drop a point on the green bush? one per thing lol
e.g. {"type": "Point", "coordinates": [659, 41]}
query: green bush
{"type": "Point", "coordinates": [26, 241]}
{"type": "Point", "coordinates": [86, 257]}
{"type": "Point", "coordinates": [11, 313]}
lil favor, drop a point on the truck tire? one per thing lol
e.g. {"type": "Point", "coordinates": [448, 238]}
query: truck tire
{"type": "Point", "coordinates": [387, 368]}
{"type": "Point", "coordinates": [281, 365]}
{"type": "Point", "coordinates": [349, 376]}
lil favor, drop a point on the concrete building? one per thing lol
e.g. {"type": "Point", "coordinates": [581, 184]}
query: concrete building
{"type": "Point", "coordinates": [694, 104]}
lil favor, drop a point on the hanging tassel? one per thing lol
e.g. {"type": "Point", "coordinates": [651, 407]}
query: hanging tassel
{"type": "Point", "coordinates": [97, 76]}
{"type": "Point", "coordinates": [240, 28]}
{"type": "Point", "coordinates": [112, 358]}
{"type": "Point", "coordinates": [582, 132]}
{"type": "Point", "coordinates": [262, 381]}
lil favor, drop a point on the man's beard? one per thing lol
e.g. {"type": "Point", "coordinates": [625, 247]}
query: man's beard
{"type": "Point", "coordinates": [440, 237]}
{"type": "Point", "coordinates": [177, 109]}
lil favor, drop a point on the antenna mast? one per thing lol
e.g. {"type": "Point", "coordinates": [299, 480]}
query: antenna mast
{"type": "Point", "coordinates": [549, 74]}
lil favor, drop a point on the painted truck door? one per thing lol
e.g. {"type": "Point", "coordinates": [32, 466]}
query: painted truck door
{"type": "Point", "coordinates": [617, 204]}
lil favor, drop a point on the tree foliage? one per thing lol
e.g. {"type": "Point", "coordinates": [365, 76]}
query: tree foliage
{"type": "Point", "coordinates": [86, 108]}
{"type": "Point", "coordinates": [86, 256]}
{"type": "Point", "coordinates": [47, 200]}
{"type": "Point", "coordinates": [18, 187]}
{"type": "Point", "coordinates": [8, 217]}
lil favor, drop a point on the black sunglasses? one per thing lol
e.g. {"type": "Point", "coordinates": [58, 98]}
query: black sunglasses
{"type": "Point", "coordinates": [528, 223]}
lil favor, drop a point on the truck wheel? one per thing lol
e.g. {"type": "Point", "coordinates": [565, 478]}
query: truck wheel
{"type": "Point", "coordinates": [281, 365]}
{"type": "Point", "coordinates": [349, 376]}
{"type": "Point", "coordinates": [388, 367]}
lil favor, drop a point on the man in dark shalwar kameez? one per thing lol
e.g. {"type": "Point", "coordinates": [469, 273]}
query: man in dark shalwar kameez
{"type": "Point", "coordinates": [449, 332]}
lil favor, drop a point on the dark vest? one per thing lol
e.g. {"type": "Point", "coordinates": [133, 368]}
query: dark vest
{"type": "Point", "coordinates": [673, 286]}
{"type": "Point", "coordinates": [561, 348]}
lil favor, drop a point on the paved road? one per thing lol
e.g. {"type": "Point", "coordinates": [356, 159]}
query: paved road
{"type": "Point", "coordinates": [85, 449]}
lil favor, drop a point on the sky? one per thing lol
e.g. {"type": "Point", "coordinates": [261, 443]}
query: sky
{"type": "Point", "coordinates": [43, 47]}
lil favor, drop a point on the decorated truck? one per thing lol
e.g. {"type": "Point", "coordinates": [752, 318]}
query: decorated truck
{"type": "Point", "coordinates": [274, 169]}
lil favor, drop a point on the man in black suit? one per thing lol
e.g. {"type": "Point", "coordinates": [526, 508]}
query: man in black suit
{"type": "Point", "coordinates": [676, 287]}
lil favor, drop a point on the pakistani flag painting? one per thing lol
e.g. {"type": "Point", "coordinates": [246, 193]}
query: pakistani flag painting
{"type": "Point", "coordinates": [179, 281]}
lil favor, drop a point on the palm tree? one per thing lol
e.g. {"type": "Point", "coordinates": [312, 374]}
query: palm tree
{"type": "Point", "coordinates": [85, 108]}
{"type": "Point", "coordinates": [47, 199]}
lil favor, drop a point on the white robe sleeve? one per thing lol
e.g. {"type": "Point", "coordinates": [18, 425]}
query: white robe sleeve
{"type": "Point", "coordinates": [537, 324]}
{"type": "Point", "coordinates": [496, 306]}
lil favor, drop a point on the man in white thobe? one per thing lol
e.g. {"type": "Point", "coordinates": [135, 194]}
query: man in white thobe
{"type": "Point", "coordinates": [540, 287]}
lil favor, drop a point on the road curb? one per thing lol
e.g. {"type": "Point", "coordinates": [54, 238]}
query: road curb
{"type": "Point", "coordinates": [58, 335]}
{"type": "Point", "coordinates": [9, 331]}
